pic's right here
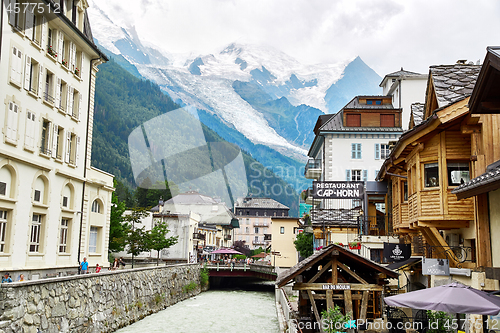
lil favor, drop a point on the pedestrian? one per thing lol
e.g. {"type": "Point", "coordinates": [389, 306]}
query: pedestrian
{"type": "Point", "coordinates": [6, 278]}
{"type": "Point", "coordinates": [122, 263]}
{"type": "Point", "coordinates": [84, 266]}
{"type": "Point", "coordinates": [97, 268]}
{"type": "Point", "coordinates": [21, 278]}
{"type": "Point", "coordinates": [116, 264]}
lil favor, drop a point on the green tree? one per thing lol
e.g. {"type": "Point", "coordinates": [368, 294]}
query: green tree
{"type": "Point", "coordinates": [304, 244]}
{"type": "Point", "coordinates": [137, 237]}
{"type": "Point", "coordinates": [117, 228]}
{"type": "Point", "coordinates": [149, 197]}
{"type": "Point", "coordinates": [157, 238]}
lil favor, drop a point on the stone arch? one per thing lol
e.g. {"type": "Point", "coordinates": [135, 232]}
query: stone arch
{"type": "Point", "coordinates": [41, 188]}
{"type": "Point", "coordinates": [68, 192]}
{"type": "Point", "coordinates": [9, 176]}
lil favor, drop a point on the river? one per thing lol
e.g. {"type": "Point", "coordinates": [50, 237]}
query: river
{"type": "Point", "coordinates": [214, 311]}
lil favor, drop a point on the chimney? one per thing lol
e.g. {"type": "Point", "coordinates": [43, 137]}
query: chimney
{"type": "Point", "coordinates": [160, 205]}
{"type": "Point", "coordinates": [461, 62]}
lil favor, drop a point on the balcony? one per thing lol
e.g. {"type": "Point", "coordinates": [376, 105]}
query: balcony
{"type": "Point", "coordinates": [258, 242]}
{"type": "Point", "coordinates": [261, 224]}
{"type": "Point", "coordinates": [48, 98]}
{"type": "Point", "coordinates": [267, 237]}
{"type": "Point", "coordinates": [227, 237]}
{"type": "Point", "coordinates": [313, 169]}
{"type": "Point", "coordinates": [307, 196]}
{"type": "Point", "coordinates": [198, 236]}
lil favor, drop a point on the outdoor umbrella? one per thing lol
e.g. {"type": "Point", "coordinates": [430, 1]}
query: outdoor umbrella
{"type": "Point", "coordinates": [260, 255]}
{"type": "Point", "coordinates": [226, 251]}
{"type": "Point", "coordinates": [454, 298]}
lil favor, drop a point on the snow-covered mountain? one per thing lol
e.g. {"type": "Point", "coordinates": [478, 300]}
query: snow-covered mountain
{"type": "Point", "coordinates": [256, 90]}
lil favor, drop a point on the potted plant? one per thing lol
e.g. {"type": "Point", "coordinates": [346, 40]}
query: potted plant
{"type": "Point", "coordinates": [77, 71]}
{"type": "Point", "coordinates": [338, 243]}
{"type": "Point", "coordinates": [65, 63]}
{"type": "Point", "coordinates": [52, 52]}
{"type": "Point", "coordinates": [355, 245]}
{"type": "Point", "coordinates": [334, 321]}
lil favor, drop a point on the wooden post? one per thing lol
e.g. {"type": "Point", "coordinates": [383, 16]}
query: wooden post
{"type": "Point", "coordinates": [483, 243]}
{"type": "Point", "coordinates": [329, 299]}
{"type": "Point", "coordinates": [334, 271]}
{"type": "Point", "coordinates": [364, 305]}
{"type": "Point", "coordinates": [315, 310]}
{"type": "Point", "coordinates": [348, 301]}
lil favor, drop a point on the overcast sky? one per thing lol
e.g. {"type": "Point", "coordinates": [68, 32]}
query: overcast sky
{"type": "Point", "coordinates": [386, 34]}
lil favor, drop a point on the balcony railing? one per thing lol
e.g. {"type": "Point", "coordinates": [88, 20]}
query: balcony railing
{"type": "Point", "coordinates": [227, 237]}
{"type": "Point", "coordinates": [49, 98]}
{"type": "Point", "coordinates": [267, 237]}
{"type": "Point", "coordinates": [261, 224]}
{"type": "Point", "coordinates": [45, 150]}
{"type": "Point", "coordinates": [198, 236]}
{"type": "Point", "coordinates": [258, 242]}
{"type": "Point", "coordinates": [458, 254]}
{"type": "Point", "coordinates": [313, 169]}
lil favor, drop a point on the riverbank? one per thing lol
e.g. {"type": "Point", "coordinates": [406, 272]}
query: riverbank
{"type": "Point", "coordinates": [100, 302]}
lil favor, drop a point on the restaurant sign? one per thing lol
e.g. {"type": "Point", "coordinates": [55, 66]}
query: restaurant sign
{"type": "Point", "coordinates": [397, 252]}
{"type": "Point", "coordinates": [431, 266]}
{"type": "Point", "coordinates": [338, 190]}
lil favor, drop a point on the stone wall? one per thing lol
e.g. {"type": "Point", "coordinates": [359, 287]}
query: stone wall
{"type": "Point", "coordinates": [100, 302]}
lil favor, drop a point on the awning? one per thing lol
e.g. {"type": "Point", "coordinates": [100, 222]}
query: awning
{"type": "Point", "coordinates": [403, 264]}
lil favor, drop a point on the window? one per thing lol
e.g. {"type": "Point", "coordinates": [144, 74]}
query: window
{"type": "Point", "coordinates": [36, 33]}
{"type": "Point", "coordinates": [29, 140]}
{"type": "Point", "coordinates": [44, 146]}
{"type": "Point", "coordinates": [57, 142]}
{"type": "Point", "coordinates": [3, 188]}
{"type": "Point", "coordinates": [374, 101]}
{"type": "Point", "coordinates": [93, 240]}
{"type": "Point", "coordinates": [75, 103]}
{"type": "Point", "coordinates": [63, 239]}
{"type": "Point", "coordinates": [387, 120]}
{"type": "Point", "coordinates": [458, 173]}
{"type": "Point", "coordinates": [36, 197]}
{"type": "Point", "coordinates": [256, 230]}
{"type": "Point", "coordinates": [48, 93]}
{"type": "Point", "coordinates": [385, 151]}
{"type": "Point", "coordinates": [431, 175]}
{"type": "Point", "coordinates": [65, 202]}
{"type": "Point", "coordinates": [12, 122]}
{"type": "Point", "coordinates": [356, 151]}
{"type": "Point", "coordinates": [3, 230]}
{"type": "Point", "coordinates": [282, 230]}
{"type": "Point", "coordinates": [32, 75]}
{"type": "Point", "coordinates": [247, 230]}
{"type": "Point", "coordinates": [17, 14]}
{"type": "Point", "coordinates": [256, 239]}
{"type": "Point", "coordinates": [353, 120]}
{"type": "Point", "coordinates": [356, 175]}
{"type": "Point", "coordinates": [96, 207]}
{"type": "Point", "coordinates": [72, 148]}
{"type": "Point", "coordinates": [36, 230]}
{"type": "Point", "coordinates": [404, 191]}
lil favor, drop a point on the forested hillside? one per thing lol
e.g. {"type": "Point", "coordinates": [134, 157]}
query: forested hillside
{"type": "Point", "coordinates": [124, 102]}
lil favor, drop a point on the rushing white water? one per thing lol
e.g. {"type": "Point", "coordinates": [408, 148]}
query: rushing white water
{"type": "Point", "coordinates": [214, 311]}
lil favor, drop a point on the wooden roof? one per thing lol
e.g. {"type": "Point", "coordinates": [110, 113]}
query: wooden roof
{"type": "Point", "coordinates": [345, 256]}
{"type": "Point", "coordinates": [486, 95]}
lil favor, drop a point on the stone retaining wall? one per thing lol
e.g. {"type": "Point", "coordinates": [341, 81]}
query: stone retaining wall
{"type": "Point", "coordinates": [100, 302]}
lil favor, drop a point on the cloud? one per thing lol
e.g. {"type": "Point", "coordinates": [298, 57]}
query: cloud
{"type": "Point", "coordinates": [387, 34]}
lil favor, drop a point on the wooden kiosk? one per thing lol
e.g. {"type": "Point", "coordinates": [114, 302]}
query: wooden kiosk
{"type": "Point", "coordinates": [337, 276]}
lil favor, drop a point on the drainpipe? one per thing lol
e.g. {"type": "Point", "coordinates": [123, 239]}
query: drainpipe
{"type": "Point", "coordinates": [85, 165]}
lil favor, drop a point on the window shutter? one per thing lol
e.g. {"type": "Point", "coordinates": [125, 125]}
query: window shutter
{"type": "Point", "coordinates": [68, 90]}
{"type": "Point", "coordinates": [348, 175]}
{"type": "Point", "coordinates": [9, 120]}
{"type": "Point", "coordinates": [377, 151]}
{"type": "Point", "coordinates": [82, 64]}
{"type": "Point", "coordinates": [44, 31]}
{"type": "Point", "coordinates": [13, 64]}
{"type": "Point", "coordinates": [54, 141]}
{"type": "Point", "coordinates": [72, 56]}
{"type": "Point", "coordinates": [40, 80]}
{"type": "Point", "coordinates": [70, 104]}
{"type": "Point", "coordinates": [353, 150]}
{"type": "Point", "coordinates": [359, 150]}
{"type": "Point", "coordinates": [30, 130]}
{"type": "Point", "coordinates": [16, 65]}
{"type": "Point", "coordinates": [80, 103]}
{"type": "Point", "coordinates": [68, 145]}
{"type": "Point", "coordinates": [19, 66]}
{"type": "Point", "coordinates": [60, 43]}
{"type": "Point", "coordinates": [365, 175]}
{"type": "Point", "coordinates": [29, 23]}
{"type": "Point", "coordinates": [58, 93]}
{"type": "Point", "coordinates": [27, 73]}
{"type": "Point", "coordinates": [77, 150]}
{"type": "Point", "coordinates": [33, 130]}
{"type": "Point", "coordinates": [12, 14]}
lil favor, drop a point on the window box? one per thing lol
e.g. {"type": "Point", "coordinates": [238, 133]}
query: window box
{"type": "Point", "coordinates": [355, 245]}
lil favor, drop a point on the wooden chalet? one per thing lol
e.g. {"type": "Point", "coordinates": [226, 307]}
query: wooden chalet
{"type": "Point", "coordinates": [431, 160]}
{"type": "Point", "coordinates": [336, 276]}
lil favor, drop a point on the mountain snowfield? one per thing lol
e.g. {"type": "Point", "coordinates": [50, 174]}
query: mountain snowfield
{"type": "Point", "coordinates": [207, 83]}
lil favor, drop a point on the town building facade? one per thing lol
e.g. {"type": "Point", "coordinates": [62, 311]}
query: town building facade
{"type": "Point", "coordinates": [255, 220]}
{"type": "Point", "coordinates": [54, 205]}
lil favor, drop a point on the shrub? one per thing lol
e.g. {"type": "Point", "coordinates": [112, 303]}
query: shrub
{"type": "Point", "coordinates": [204, 276]}
{"type": "Point", "coordinates": [189, 287]}
{"type": "Point", "coordinates": [335, 320]}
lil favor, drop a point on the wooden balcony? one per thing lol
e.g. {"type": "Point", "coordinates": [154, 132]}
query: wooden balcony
{"type": "Point", "coordinates": [313, 169]}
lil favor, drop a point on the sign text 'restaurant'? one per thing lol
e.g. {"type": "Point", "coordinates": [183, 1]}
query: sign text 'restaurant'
{"type": "Point", "coordinates": [338, 190]}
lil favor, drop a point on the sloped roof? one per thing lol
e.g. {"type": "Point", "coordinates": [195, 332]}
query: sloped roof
{"type": "Point", "coordinates": [259, 203]}
{"type": "Point", "coordinates": [417, 111]}
{"type": "Point", "coordinates": [191, 198]}
{"type": "Point", "coordinates": [453, 82]}
{"type": "Point", "coordinates": [354, 104]}
{"type": "Point", "coordinates": [488, 181]}
{"type": "Point", "coordinates": [344, 255]}
{"type": "Point", "coordinates": [403, 72]}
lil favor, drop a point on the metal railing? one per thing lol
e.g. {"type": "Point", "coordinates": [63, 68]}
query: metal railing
{"type": "Point", "coordinates": [459, 254]}
{"type": "Point", "coordinates": [312, 164]}
{"type": "Point", "coordinates": [49, 98]}
{"type": "Point", "coordinates": [45, 150]}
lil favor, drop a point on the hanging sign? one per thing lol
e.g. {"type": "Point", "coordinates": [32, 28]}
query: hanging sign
{"type": "Point", "coordinates": [336, 287]}
{"type": "Point", "coordinates": [397, 252]}
{"type": "Point", "coordinates": [338, 190]}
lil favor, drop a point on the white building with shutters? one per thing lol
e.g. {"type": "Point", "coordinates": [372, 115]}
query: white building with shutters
{"type": "Point", "coordinates": [54, 207]}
